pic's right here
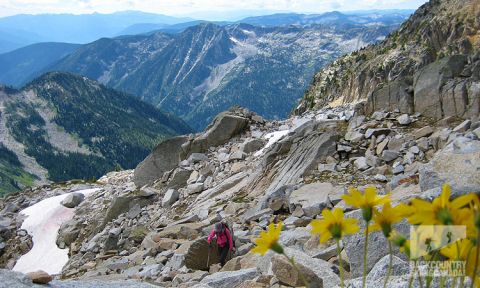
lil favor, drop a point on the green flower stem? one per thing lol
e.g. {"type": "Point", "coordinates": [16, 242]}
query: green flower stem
{"type": "Point", "coordinates": [390, 264]}
{"type": "Point", "coordinates": [477, 256]}
{"type": "Point", "coordinates": [339, 252]}
{"type": "Point", "coordinates": [455, 279]}
{"type": "Point", "coordinates": [462, 281]}
{"type": "Point", "coordinates": [292, 261]}
{"type": "Point", "coordinates": [454, 284]}
{"type": "Point", "coordinates": [420, 282]}
{"type": "Point", "coordinates": [429, 277]}
{"type": "Point", "coordinates": [466, 265]}
{"type": "Point", "coordinates": [365, 251]}
{"type": "Point", "coordinates": [442, 281]}
{"type": "Point", "coordinates": [412, 275]}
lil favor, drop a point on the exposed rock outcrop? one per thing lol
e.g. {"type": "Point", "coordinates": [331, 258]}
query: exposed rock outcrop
{"type": "Point", "coordinates": [431, 65]}
{"type": "Point", "coordinates": [163, 158]}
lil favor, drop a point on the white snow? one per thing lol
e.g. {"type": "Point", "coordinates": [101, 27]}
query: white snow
{"type": "Point", "coordinates": [234, 40]}
{"type": "Point", "coordinates": [272, 138]}
{"type": "Point", "coordinates": [42, 223]}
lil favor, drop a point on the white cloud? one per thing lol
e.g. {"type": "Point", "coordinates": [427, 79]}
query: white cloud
{"type": "Point", "coordinates": [192, 7]}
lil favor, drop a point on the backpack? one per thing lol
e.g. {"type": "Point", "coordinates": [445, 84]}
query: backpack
{"type": "Point", "coordinates": [225, 226]}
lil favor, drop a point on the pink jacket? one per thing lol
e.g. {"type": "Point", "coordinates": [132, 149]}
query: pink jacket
{"type": "Point", "coordinates": [222, 238]}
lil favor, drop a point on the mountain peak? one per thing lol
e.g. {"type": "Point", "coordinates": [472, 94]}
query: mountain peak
{"type": "Point", "coordinates": [437, 30]}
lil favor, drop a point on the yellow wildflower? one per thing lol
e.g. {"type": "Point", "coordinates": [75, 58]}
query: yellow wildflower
{"type": "Point", "coordinates": [459, 250]}
{"type": "Point", "coordinates": [441, 211]}
{"type": "Point", "coordinates": [366, 201]}
{"type": "Point", "coordinates": [334, 225]}
{"type": "Point", "coordinates": [383, 220]}
{"type": "Point", "coordinates": [462, 250]}
{"type": "Point", "coordinates": [473, 224]}
{"type": "Point", "coordinates": [269, 240]}
{"type": "Point", "coordinates": [405, 210]}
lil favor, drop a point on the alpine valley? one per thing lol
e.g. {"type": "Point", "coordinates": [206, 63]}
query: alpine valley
{"type": "Point", "coordinates": [62, 126]}
{"type": "Point", "coordinates": [207, 68]}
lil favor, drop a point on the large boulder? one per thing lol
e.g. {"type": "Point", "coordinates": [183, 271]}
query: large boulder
{"type": "Point", "coordinates": [179, 178]}
{"type": "Point", "coordinates": [164, 157]}
{"type": "Point", "coordinates": [14, 279]}
{"type": "Point", "coordinates": [68, 232]}
{"type": "Point", "coordinates": [170, 197]}
{"type": "Point", "coordinates": [322, 269]}
{"type": "Point", "coordinates": [314, 197]}
{"type": "Point", "coordinates": [377, 245]}
{"type": "Point", "coordinates": [181, 231]}
{"type": "Point", "coordinates": [399, 268]}
{"type": "Point", "coordinates": [252, 145]}
{"type": "Point", "coordinates": [176, 262]}
{"type": "Point", "coordinates": [458, 164]}
{"type": "Point", "coordinates": [287, 274]}
{"type": "Point", "coordinates": [295, 238]}
{"type": "Point", "coordinates": [73, 200]}
{"type": "Point", "coordinates": [461, 98]}
{"type": "Point", "coordinates": [122, 204]}
{"type": "Point", "coordinates": [223, 128]}
{"type": "Point", "coordinates": [399, 277]}
{"type": "Point", "coordinates": [40, 277]}
{"type": "Point", "coordinates": [230, 279]}
{"type": "Point", "coordinates": [198, 254]}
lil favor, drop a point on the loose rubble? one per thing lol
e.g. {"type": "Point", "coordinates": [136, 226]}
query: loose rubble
{"type": "Point", "coordinates": [150, 224]}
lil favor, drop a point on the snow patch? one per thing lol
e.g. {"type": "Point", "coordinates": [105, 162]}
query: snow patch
{"type": "Point", "coordinates": [234, 40]}
{"type": "Point", "coordinates": [42, 223]}
{"type": "Point", "coordinates": [272, 138]}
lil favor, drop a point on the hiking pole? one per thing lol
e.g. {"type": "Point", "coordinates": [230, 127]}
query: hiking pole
{"type": "Point", "coordinates": [208, 257]}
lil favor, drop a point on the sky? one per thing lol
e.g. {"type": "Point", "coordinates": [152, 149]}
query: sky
{"type": "Point", "coordinates": [204, 9]}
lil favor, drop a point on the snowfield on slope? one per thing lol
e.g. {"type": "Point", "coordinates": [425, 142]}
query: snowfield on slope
{"type": "Point", "coordinates": [43, 222]}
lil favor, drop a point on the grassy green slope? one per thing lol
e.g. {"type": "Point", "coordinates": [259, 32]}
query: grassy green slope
{"type": "Point", "coordinates": [12, 175]}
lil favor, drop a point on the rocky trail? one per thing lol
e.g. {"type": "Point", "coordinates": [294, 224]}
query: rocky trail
{"type": "Point", "coordinates": [149, 225]}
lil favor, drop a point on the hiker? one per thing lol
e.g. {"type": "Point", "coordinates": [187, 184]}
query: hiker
{"type": "Point", "coordinates": [224, 240]}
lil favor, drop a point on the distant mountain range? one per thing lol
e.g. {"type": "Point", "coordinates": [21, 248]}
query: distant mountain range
{"type": "Point", "coordinates": [208, 68]}
{"type": "Point", "coordinates": [26, 62]}
{"type": "Point", "coordinates": [390, 17]}
{"type": "Point", "coordinates": [22, 30]}
{"type": "Point", "coordinates": [62, 126]}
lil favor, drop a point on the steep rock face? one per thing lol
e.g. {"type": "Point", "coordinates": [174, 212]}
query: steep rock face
{"type": "Point", "coordinates": [132, 51]}
{"type": "Point", "coordinates": [440, 89]}
{"type": "Point", "coordinates": [412, 69]}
